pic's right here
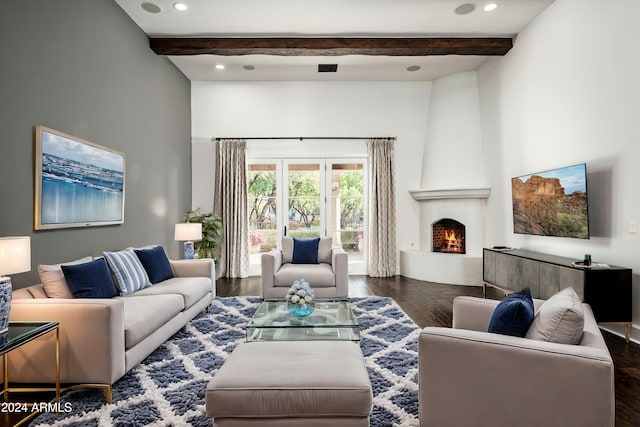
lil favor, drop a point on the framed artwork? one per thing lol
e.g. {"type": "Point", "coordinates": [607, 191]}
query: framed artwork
{"type": "Point", "coordinates": [77, 183]}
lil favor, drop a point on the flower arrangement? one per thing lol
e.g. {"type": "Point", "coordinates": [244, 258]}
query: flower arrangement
{"type": "Point", "coordinates": [300, 298]}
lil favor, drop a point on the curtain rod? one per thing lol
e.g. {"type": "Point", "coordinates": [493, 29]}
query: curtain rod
{"type": "Point", "coordinates": [301, 138]}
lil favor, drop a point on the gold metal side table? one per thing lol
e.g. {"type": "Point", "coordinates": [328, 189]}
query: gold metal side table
{"type": "Point", "coordinates": [20, 333]}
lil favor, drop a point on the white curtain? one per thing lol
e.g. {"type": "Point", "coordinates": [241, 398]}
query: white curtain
{"type": "Point", "coordinates": [382, 208]}
{"type": "Point", "coordinates": [230, 203]}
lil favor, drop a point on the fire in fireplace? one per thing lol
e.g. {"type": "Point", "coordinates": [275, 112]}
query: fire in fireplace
{"type": "Point", "coordinates": [448, 236]}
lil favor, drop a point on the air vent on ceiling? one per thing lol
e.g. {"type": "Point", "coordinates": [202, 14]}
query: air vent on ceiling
{"type": "Point", "coordinates": [327, 68]}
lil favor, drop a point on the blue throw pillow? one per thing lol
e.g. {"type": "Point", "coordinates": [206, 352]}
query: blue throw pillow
{"type": "Point", "coordinates": [305, 251]}
{"type": "Point", "coordinates": [155, 263]}
{"type": "Point", "coordinates": [90, 279]}
{"type": "Point", "coordinates": [513, 315]}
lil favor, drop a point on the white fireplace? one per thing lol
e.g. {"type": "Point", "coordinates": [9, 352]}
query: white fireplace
{"type": "Point", "coordinates": [452, 187]}
{"type": "Point", "coordinates": [461, 264]}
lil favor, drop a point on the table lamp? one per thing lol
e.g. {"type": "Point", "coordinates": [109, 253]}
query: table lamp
{"type": "Point", "coordinates": [187, 232]}
{"type": "Point", "coordinates": [15, 257]}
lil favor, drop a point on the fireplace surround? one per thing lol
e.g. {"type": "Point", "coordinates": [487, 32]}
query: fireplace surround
{"type": "Point", "coordinates": [461, 210]}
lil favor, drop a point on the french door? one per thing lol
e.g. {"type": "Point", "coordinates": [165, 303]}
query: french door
{"type": "Point", "coordinates": [307, 198]}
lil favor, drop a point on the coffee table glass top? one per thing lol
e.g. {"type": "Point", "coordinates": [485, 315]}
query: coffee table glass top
{"type": "Point", "coordinates": [331, 320]}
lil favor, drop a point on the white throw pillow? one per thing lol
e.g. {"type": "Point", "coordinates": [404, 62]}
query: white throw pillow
{"type": "Point", "coordinates": [52, 278]}
{"type": "Point", "coordinates": [560, 319]}
{"type": "Point", "coordinates": [128, 270]}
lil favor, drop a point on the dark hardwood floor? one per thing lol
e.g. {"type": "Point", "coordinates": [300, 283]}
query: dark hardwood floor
{"type": "Point", "coordinates": [430, 304]}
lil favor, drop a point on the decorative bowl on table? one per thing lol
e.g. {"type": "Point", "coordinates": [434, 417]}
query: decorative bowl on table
{"type": "Point", "coordinates": [300, 298]}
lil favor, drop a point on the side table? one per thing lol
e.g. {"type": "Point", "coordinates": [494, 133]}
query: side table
{"type": "Point", "coordinates": [20, 333]}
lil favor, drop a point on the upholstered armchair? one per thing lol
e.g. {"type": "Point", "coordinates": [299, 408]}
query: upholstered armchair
{"type": "Point", "coordinates": [328, 276]}
{"type": "Point", "coordinates": [469, 377]}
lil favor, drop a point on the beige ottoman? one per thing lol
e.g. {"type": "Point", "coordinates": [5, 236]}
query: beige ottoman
{"type": "Point", "coordinates": [291, 383]}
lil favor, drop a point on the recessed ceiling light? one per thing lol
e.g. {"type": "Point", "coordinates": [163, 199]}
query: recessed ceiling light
{"type": "Point", "coordinates": [219, 66]}
{"type": "Point", "coordinates": [413, 68]}
{"type": "Point", "coordinates": [463, 9]}
{"type": "Point", "coordinates": [151, 7]}
{"type": "Point", "coordinates": [249, 67]}
{"type": "Point", "coordinates": [490, 6]}
{"type": "Point", "coordinates": [181, 7]}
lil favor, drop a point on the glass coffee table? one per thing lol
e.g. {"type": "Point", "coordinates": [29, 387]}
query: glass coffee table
{"type": "Point", "coordinates": [331, 321]}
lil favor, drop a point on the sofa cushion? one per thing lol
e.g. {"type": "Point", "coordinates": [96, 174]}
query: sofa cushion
{"type": "Point", "coordinates": [324, 249]}
{"type": "Point", "coordinates": [191, 289]}
{"type": "Point", "coordinates": [53, 279]}
{"type": "Point", "coordinates": [287, 250]}
{"type": "Point", "coordinates": [155, 263]}
{"type": "Point", "coordinates": [128, 271]}
{"type": "Point", "coordinates": [145, 315]}
{"type": "Point", "coordinates": [318, 275]}
{"type": "Point", "coordinates": [305, 251]}
{"type": "Point", "coordinates": [560, 319]}
{"type": "Point", "coordinates": [90, 280]}
{"type": "Point", "coordinates": [513, 315]}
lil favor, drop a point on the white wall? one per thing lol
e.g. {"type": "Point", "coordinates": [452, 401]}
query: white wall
{"type": "Point", "coordinates": [262, 109]}
{"type": "Point", "coordinates": [568, 92]}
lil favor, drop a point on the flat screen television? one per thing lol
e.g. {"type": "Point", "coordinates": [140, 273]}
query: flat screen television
{"type": "Point", "coordinates": [552, 203]}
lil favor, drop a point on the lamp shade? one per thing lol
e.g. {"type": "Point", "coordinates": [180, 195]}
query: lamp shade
{"type": "Point", "coordinates": [188, 231]}
{"type": "Point", "coordinates": [15, 255]}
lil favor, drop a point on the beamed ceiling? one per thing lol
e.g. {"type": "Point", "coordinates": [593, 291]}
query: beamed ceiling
{"type": "Point", "coordinates": [490, 46]}
{"type": "Point", "coordinates": [372, 40]}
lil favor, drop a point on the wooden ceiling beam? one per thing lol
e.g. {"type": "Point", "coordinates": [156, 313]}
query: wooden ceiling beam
{"type": "Point", "coordinates": [485, 46]}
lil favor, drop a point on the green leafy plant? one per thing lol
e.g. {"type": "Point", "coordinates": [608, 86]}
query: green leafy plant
{"type": "Point", "coordinates": [209, 246]}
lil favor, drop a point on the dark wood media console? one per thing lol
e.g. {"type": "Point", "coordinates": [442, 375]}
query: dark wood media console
{"type": "Point", "coordinates": [607, 290]}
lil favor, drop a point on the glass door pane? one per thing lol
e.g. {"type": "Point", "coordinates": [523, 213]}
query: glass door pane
{"type": "Point", "coordinates": [305, 199]}
{"type": "Point", "coordinates": [262, 204]}
{"type": "Point", "coordinates": [348, 209]}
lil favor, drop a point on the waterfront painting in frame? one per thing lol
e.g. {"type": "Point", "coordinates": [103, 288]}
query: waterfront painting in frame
{"type": "Point", "coordinates": [77, 183]}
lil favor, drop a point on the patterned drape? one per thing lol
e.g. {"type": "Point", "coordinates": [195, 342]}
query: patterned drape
{"type": "Point", "coordinates": [230, 203]}
{"type": "Point", "coordinates": [382, 208]}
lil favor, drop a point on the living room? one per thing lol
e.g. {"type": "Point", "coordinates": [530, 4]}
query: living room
{"type": "Point", "coordinates": [565, 94]}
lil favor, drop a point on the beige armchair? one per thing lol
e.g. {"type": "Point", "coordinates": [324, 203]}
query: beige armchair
{"type": "Point", "coordinates": [469, 377]}
{"type": "Point", "coordinates": [329, 278]}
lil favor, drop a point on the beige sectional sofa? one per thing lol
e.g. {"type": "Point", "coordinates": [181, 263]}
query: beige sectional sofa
{"type": "Point", "coordinates": [102, 339]}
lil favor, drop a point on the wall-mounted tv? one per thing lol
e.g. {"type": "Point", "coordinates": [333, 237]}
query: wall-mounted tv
{"type": "Point", "coordinates": [551, 203]}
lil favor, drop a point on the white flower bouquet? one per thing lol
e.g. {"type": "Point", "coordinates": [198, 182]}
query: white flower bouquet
{"type": "Point", "coordinates": [300, 298]}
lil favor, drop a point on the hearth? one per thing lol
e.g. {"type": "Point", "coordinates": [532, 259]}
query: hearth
{"type": "Point", "coordinates": [448, 236]}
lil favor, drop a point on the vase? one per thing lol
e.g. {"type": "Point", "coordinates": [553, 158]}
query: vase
{"type": "Point", "coordinates": [301, 310]}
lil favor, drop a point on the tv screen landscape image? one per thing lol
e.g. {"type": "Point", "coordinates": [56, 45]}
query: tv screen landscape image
{"type": "Point", "coordinates": [552, 203]}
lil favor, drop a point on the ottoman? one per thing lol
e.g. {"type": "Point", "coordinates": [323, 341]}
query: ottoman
{"type": "Point", "coordinates": [291, 383]}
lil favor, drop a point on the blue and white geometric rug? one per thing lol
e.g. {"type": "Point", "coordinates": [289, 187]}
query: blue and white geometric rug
{"type": "Point", "coordinates": [168, 388]}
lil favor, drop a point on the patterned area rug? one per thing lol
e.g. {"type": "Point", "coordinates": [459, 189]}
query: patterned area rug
{"type": "Point", "coordinates": [168, 388]}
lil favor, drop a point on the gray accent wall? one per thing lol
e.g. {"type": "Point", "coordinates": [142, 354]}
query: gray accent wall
{"type": "Point", "coordinates": [84, 68]}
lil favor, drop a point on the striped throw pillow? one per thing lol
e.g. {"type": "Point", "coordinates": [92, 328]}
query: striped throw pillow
{"type": "Point", "coordinates": [128, 271]}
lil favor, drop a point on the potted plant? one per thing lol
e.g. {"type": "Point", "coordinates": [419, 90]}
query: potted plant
{"type": "Point", "coordinates": [209, 246]}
